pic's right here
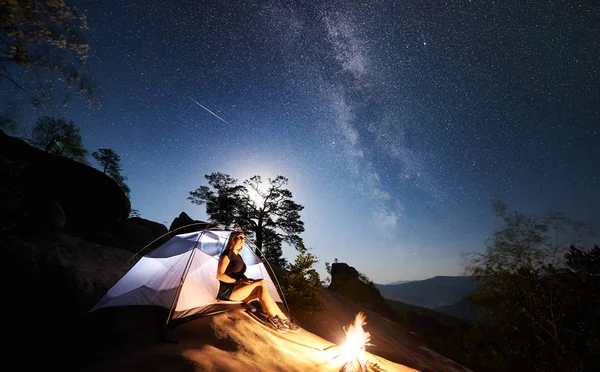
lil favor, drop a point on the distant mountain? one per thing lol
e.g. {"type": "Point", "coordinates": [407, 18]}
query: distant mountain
{"type": "Point", "coordinates": [399, 282]}
{"type": "Point", "coordinates": [432, 293]}
{"type": "Point", "coordinates": [462, 310]}
{"type": "Point", "coordinates": [428, 317]}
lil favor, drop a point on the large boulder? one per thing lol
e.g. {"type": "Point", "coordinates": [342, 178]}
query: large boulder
{"type": "Point", "coordinates": [342, 272]}
{"type": "Point", "coordinates": [49, 193]}
{"type": "Point", "coordinates": [347, 281]}
{"type": "Point", "coordinates": [135, 233]}
{"type": "Point", "coordinates": [185, 224]}
{"type": "Point", "coordinates": [157, 229]}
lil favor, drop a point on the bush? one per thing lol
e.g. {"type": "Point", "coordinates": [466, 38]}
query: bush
{"type": "Point", "coordinates": [301, 284]}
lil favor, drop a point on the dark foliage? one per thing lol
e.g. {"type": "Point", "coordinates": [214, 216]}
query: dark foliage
{"type": "Point", "coordinates": [271, 248]}
{"type": "Point", "coordinates": [58, 137]}
{"type": "Point", "coordinates": [266, 212]}
{"type": "Point", "coordinates": [301, 283]}
{"type": "Point", "coordinates": [222, 203]}
{"type": "Point", "coordinates": [108, 159]}
{"type": "Point", "coordinates": [542, 298]}
{"type": "Point", "coordinates": [442, 333]}
{"type": "Point", "coordinates": [111, 165]}
{"type": "Point", "coordinates": [45, 38]}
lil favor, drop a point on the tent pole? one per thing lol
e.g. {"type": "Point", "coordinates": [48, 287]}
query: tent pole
{"type": "Point", "coordinates": [180, 285]}
{"type": "Point", "coordinates": [276, 280]}
{"type": "Point", "coordinates": [160, 237]}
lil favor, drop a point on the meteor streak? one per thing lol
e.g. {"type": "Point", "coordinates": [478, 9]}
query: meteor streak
{"type": "Point", "coordinates": [215, 115]}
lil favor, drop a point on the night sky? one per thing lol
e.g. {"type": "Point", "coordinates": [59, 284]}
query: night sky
{"type": "Point", "coordinates": [396, 122]}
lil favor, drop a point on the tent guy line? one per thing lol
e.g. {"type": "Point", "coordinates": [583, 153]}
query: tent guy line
{"type": "Point", "coordinates": [215, 115]}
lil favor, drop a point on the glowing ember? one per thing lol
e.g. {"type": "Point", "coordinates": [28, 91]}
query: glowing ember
{"type": "Point", "coordinates": [352, 353]}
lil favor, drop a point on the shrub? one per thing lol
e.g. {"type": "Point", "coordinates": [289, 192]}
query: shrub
{"type": "Point", "coordinates": [301, 284]}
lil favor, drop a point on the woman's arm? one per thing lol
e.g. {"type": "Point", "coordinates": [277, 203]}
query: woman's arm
{"type": "Point", "coordinates": [223, 262]}
{"type": "Point", "coordinates": [247, 280]}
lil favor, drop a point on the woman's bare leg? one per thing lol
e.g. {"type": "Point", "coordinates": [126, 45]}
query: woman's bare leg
{"type": "Point", "coordinates": [257, 290]}
{"type": "Point", "coordinates": [268, 303]}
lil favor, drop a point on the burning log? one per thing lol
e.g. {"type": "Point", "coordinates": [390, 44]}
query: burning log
{"type": "Point", "coordinates": [352, 352]}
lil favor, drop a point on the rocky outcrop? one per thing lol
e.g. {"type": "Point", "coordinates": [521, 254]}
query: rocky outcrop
{"type": "Point", "coordinates": [49, 193]}
{"type": "Point", "coordinates": [44, 193]}
{"type": "Point", "coordinates": [135, 233]}
{"type": "Point", "coordinates": [184, 224]}
{"type": "Point", "coordinates": [341, 274]}
{"type": "Point", "coordinates": [347, 281]}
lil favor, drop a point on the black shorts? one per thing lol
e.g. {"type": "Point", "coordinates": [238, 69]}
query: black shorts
{"type": "Point", "coordinates": [225, 290]}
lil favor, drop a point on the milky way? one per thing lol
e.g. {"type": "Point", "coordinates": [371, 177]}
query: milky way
{"type": "Point", "coordinates": [397, 123]}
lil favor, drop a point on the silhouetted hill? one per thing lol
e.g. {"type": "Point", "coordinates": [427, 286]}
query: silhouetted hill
{"type": "Point", "coordinates": [462, 309]}
{"type": "Point", "coordinates": [431, 293]}
{"type": "Point", "coordinates": [428, 318]}
{"type": "Point", "coordinates": [399, 282]}
{"type": "Point", "coordinates": [444, 332]}
{"type": "Point", "coordinates": [346, 280]}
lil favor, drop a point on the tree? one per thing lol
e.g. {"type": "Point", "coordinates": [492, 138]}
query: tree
{"type": "Point", "coordinates": [328, 269]}
{"type": "Point", "coordinates": [45, 38]}
{"type": "Point", "coordinates": [524, 292]}
{"type": "Point", "coordinates": [272, 209]}
{"type": "Point", "coordinates": [59, 137]}
{"type": "Point", "coordinates": [302, 283]}
{"type": "Point", "coordinates": [581, 287]}
{"type": "Point", "coordinates": [271, 248]}
{"type": "Point", "coordinates": [111, 164]}
{"type": "Point", "coordinates": [109, 160]}
{"type": "Point", "coordinates": [266, 211]}
{"type": "Point", "coordinates": [222, 205]}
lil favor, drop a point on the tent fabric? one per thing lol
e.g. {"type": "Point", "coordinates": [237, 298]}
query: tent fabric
{"type": "Point", "coordinates": [181, 274]}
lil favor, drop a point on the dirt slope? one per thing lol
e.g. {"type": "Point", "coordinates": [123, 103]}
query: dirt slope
{"type": "Point", "coordinates": [235, 341]}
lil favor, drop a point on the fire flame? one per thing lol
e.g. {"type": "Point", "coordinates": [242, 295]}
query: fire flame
{"type": "Point", "coordinates": [352, 353]}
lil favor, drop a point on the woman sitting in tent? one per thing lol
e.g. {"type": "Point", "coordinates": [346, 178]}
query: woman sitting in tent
{"type": "Point", "coordinates": [235, 286]}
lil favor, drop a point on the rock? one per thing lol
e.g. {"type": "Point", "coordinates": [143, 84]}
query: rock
{"type": "Point", "coordinates": [137, 232]}
{"type": "Point", "coordinates": [341, 275]}
{"type": "Point", "coordinates": [57, 218]}
{"type": "Point", "coordinates": [343, 271]}
{"type": "Point", "coordinates": [347, 281]}
{"type": "Point", "coordinates": [177, 226]}
{"type": "Point", "coordinates": [90, 200]}
{"type": "Point", "coordinates": [157, 229]}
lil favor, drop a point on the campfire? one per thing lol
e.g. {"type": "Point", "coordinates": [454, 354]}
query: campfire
{"type": "Point", "coordinates": [352, 356]}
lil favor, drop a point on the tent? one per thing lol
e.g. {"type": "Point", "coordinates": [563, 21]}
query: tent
{"type": "Point", "coordinates": [180, 276]}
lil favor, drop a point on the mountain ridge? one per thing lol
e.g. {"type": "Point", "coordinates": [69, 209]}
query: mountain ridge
{"type": "Point", "coordinates": [434, 292]}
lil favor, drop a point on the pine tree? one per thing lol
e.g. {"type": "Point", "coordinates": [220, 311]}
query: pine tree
{"type": "Point", "coordinates": [109, 160]}
{"type": "Point", "coordinates": [111, 164]}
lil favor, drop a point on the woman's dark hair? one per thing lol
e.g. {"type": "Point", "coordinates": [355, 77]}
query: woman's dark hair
{"type": "Point", "coordinates": [232, 238]}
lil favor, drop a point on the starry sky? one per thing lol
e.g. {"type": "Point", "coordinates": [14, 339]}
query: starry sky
{"type": "Point", "coordinates": [396, 122]}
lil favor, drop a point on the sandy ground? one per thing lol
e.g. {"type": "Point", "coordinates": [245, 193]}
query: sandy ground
{"type": "Point", "coordinates": [235, 341]}
{"type": "Point", "coordinates": [231, 341]}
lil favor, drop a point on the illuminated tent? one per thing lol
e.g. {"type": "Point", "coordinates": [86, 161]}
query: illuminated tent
{"type": "Point", "coordinates": [180, 276]}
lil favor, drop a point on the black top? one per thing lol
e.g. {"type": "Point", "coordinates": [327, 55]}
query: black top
{"type": "Point", "coordinates": [236, 267]}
